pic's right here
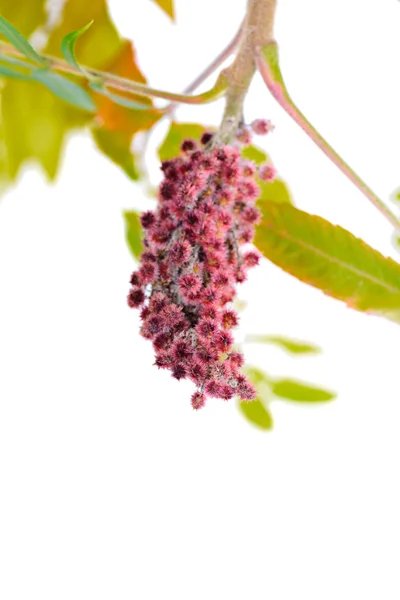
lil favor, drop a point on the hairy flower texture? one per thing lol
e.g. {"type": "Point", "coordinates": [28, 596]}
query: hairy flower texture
{"type": "Point", "coordinates": [192, 262]}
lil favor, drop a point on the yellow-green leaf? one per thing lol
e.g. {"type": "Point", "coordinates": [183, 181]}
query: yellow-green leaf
{"type": "Point", "coordinates": [300, 392]}
{"type": "Point", "coordinates": [256, 413]}
{"type": "Point", "coordinates": [117, 146]}
{"type": "Point", "coordinates": [27, 18]}
{"type": "Point", "coordinates": [178, 132]}
{"type": "Point", "coordinates": [330, 258]}
{"type": "Point", "coordinates": [167, 6]}
{"type": "Point", "coordinates": [100, 43]}
{"type": "Point", "coordinates": [292, 346]}
{"type": "Point", "coordinates": [35, 122]}
{"type": "Point", "coordinates": [133, 232]}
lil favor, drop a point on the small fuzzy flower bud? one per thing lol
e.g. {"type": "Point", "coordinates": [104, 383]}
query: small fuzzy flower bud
{"type": "Point", "coordinates": [147, 219]}
{"type": "Point", "coordinates": [206, 137]}
{"type": "Point", "coordinates": [262, 126]}
{"type": "Point", "coordinates": [198, 400]}
{"type": "Point", "coordinates": [267, 172]}
{"type": "Point", "coordinates": [244, 136]}
{"type": "Point", "coordinates": [188, 146]}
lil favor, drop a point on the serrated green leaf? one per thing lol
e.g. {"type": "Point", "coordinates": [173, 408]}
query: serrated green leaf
{"type": "Point", "coordinates": [167, 6]}
{"type": "Point", "coordinates": [330, 258]}
{"type": "Point", "coordinates": [19, 42]}
{"type": "Point", "coordinates": [68, 46]}
{"type": "Point", "coordinates": [292, 346]}
{"type": "Point", "coordinates": [300, 392]}
{"type": "Point", "coordinates": [116, 145]}
{"type": "Point", "coordinates": [178, 132]}
{"type": "Point", "coordinates": [117, 99]}
{"type": "Point", "coordinates": [65, 89]}
{"type": "Point", "coordinates": [133, 232]}
{"type": "Point", "coordinates": [256, 413]}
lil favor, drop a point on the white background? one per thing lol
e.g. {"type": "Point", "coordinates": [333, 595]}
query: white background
{"type": "Point", "coordinates": [112, 487]}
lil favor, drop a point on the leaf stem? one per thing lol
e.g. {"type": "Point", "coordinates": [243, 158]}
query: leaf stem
{"type": "Point", "coordinates": [267, 59]}
{"type": "Point", "coordinates": [127, 85]}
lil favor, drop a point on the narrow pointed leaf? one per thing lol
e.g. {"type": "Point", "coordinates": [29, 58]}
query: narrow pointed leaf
{"type": "Point", "coordinates": [133, 232]}
{"type": "Point", "coordinates": [292, 346]}
{"type": "Point", "coordinates": [65, 89]}
{"type": "Point", "coordinates": [11, 60]}
{"type": "Point", "coordinates": [117, 99]}
{"type": "Point", "coordinates": [7, 72]}
{"type": "Point", "coordinates": [19, 41]}
{"type": "Point", "coordinates": [300, 392]}
{"type": "Point", "coordinates": [330, 258]}
{"type": "Point", "coordinates": [68, 46]}
{"type": "Point", "coordinates": [256, 413]}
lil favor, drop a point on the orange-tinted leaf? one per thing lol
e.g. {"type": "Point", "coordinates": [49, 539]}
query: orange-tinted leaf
{"type": "Point", "coordinates": [114, 117]}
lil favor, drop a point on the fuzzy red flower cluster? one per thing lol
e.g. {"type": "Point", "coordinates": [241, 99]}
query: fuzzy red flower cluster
{"type": "Point", "coordinates": [196, 251]}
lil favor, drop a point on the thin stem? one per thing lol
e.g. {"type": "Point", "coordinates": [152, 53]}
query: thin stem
{"type": "Point", "coordinates": [127, 85]}
{"type": "Point", "coordinates": [267, 58]}
{"type": "Point", "coordinates": [209, 70]}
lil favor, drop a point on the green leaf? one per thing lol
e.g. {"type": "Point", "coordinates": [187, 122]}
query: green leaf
{"type": "Point", "coordinates": [292, 346]}
{"type": "Point", "coordinates": [116, 145]}
{"type": "Point", "coordinates": [300, 392]}
{"type": "Point", "coordinates": [16, 38]}
{"type": "Point", "coordinates": [117, 99]}
{"type": "Point", "coordinates": [273, 191]}
{"type": "Point", "coordinates": [65, 89]}
{"type": "Point", "coordinates": [255, 154]}
{"type": "Point", "coordinates": [15, 61]}
{"type": "Point", "coordinates": [330, 258]}
{"type": "Point", "coordinates": [68, 46]}
{"type": "Point", "coordinates": [178, 132]}
{"type": "Point", "coordinates": [133, 232]}
{"type": "Point", "coordinates": [7, 72]}
{"type": "Point", "coordinates": [167, 6]}
{"type": "Point", "coordinates": [256, 413]}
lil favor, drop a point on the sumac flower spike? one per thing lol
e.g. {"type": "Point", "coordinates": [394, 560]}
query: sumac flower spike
{"type": "Point", "coordinates": [191, 265]}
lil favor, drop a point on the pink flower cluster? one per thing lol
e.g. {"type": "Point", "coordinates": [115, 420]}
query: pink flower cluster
{"type": "Point", "coordinates": [192, 261]}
